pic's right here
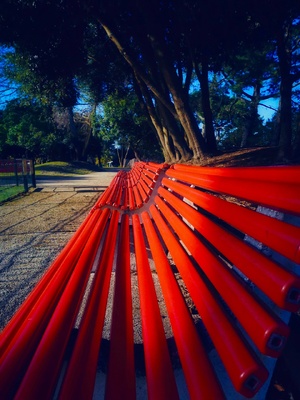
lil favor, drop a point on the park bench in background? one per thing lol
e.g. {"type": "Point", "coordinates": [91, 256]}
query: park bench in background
{"type": "Point", "coordinates": [231, 235]}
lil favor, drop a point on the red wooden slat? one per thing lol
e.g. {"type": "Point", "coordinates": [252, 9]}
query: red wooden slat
{"type": "Point", "coordinates": [116, 199]}
{"type": "Point", "coordinates": [192, 354]}
{"type": "Point", "coordinates": [280, 173]}
{"type": "Point", "coordinates": [268, 332]}
{"type": "Point", "coordinates": [108, 193]}
{"type": "Point", "coordinates": [130, 196]}
{"type": "Point", "coordinates": [280, 285]}
{"type": "Point", "coordinates": [160, 378]}
{"type": "Point", "coordinates": [284, 196]}
{"type": "Point", "coordinates": [124, 204]}
{"type": "Point", "coordinates": [157, 167]}
{"type": "Point", "coordinates": [121, 373]}
{"type": "Point", "coordinates": [151, 175]}
{"type": "Point", "coordinates": [15, 359]}
{"type": "Point", "coordinates": [137, 197]}
{"type": "Point", "coordinates": [241, 364]}
{"type": "Point", "coordinates": [149, 183]}
{"type": "Point", "coordinates": [19, 317]}
{"type": "Point", "coordinates": [47, 360]}
{"type": "Point", "coordinates": [81, 373]}
{"type": "Point", "coordinates": [278, 235]}
{"type": "Point", "coordinates": [143, 189]}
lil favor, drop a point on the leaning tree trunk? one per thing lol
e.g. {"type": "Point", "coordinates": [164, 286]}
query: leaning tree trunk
{"type": "Point", "coordinates": [179, 108]}
{"type": "Point", "coordinates": [168, 140]}
{"type": "Point", "coordinates": [173, 131]}
{"type": "Point", "coordinates": [135, 66]}
{"type": "Point", "coordinates": [184, 114]}
{"type": "Point", "coordinates": [88, 124]}
{"type": "Point", "coordinates": [195, 140]}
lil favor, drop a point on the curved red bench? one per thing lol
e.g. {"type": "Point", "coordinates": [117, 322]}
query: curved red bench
{"type": "Point", "coordinates": [203, 220]}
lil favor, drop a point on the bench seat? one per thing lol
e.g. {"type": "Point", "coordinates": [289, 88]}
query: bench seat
{"type": "Point", "coordinates": [231, 235]}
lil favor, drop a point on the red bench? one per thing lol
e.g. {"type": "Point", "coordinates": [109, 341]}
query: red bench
{"type": "Point", "coordinates": [204, 221]}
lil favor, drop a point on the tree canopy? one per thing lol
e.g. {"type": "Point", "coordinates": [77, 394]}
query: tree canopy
{"type": "Point", "coordinates": [174, 56]}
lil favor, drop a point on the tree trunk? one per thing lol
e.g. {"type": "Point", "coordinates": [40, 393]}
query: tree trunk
{"type": "Point", "coordinates": [73, 132]}
{"type": "Point", "coordinates": [179, 108]}
{"type": "Point", "coordinates": [253, 115]}
{"type": "Point", "coordinates": [194, 138]}
{"type": "Point", "coordinates": [276, 127]}
{"type": "Point", "coordinates": [285, 128]}
{"type": "Point", "coordinates": [135, 67]}
{"type": "Point", "coordinates": [86, 142]}
{"type": "Point", "coordinates": [125, 157]}
{"type": "Point", "coordinates": [147, 106]}
{"type": "Point", "coordinates": [164, 125]}
{"type": "Point", "coordinates": [296, 152]}
{"type": "Point", "coordinates": [207, 112]}
{"type": "Point", "coordinates": [172, 130]}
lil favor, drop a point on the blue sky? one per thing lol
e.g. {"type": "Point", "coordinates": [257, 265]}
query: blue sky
{"type": "Point", "coordinates": [265, 112]}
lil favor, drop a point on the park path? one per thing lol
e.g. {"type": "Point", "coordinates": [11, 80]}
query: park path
{"type": "Point", "coordinates": [92, 181]}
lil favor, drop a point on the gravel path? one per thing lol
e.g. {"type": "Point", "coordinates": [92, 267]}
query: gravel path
{"type": "Point", "coordinates": [34, 229]}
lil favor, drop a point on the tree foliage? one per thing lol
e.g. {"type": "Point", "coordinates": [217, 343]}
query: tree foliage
{"type": "Point", "coordinates": [163, 50]}
{"type": "Point", "coordinates": [27, 133]}
{"type": "Point", "coordinates": [125, 124]}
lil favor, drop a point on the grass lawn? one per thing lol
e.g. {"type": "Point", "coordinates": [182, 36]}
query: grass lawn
{"type": "Point", "coordinates": [65, 168]}
{"type": "Point", "coordinates": [7, 192]}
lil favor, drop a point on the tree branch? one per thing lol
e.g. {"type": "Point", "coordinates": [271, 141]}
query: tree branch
{"type": "Point", "coordinates": [137, 70]}
{"type": "Point", "coordinates": [264, 105]}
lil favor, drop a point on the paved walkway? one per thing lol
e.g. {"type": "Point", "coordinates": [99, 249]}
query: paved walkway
{"type": "Point", "coordinates": [94, 181]}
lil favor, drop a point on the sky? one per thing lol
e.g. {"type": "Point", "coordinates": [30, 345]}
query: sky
{"type": "Point", "coordinates": [265, 112]}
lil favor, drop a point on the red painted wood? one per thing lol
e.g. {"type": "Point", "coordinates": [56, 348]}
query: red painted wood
{"type": "Point", "coordinates": [43, 324]}
{"type": "Point", "coordinates": [48, 357]}
{"type": "Point", "coordinates": [161, 383]}
{"type": "Point", "coordinates": [17, 355]}
{"type": "Point", "coordinates": [121, 373]}
{"type": "Point", "coordinates": [271, 278]}
{"type": "Point", "coordinates": [277, 187]}
{"type": "Point", "coordinates": [17, 320]}
{"type": "Point", "coordinates": [265, 329]}
{"type": "Point", "coordinates": [79, 382]}
{"type": "Point", "coordinates": [191, 351]}
{"type": "Point", "coordinates": [278, 235]}
{"type": "Point", "coordinates": [241, 364]}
